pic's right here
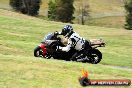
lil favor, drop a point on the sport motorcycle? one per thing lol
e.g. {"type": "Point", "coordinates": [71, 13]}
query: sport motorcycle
{"type": "Point", "coordinates": [47, 49]}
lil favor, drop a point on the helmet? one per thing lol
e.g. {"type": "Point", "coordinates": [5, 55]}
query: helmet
{"type": "Point", "coordinates": [67, 30]}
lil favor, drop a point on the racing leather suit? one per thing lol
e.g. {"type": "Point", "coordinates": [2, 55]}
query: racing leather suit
{"type": "Point", "coordinates": [76, 42]}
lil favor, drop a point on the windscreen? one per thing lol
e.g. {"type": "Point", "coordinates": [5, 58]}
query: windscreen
{"type": "Point", "coordinates": [48, 37]}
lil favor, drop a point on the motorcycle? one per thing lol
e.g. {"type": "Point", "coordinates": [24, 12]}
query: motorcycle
{"type": "Point", "coordinates": [47, 49]}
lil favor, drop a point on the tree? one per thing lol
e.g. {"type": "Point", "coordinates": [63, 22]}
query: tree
{"type": "Point", "coordinates": [83, 11]}
{"type": "Point", "coordinates": [52, 10]}
{"type": "Point", "coordinates": [61, 10]}
{"type": "Point", "coordinates": [128, 7]}
{"type": "Point", "coordinates": [16, 4]}
{"type": "Point", "coordinates": [30, 7]}
{"type": "Point", "coordinates": [65, 10]}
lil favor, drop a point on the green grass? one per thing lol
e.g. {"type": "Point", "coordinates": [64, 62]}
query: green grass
{"type": "Point", "coordinates": [20, 34]}
{"type": "Point", "coordinates": [23, 72]}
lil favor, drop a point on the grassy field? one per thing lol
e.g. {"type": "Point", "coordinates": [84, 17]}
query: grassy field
{"type": "Point", "coordinates": [100, 6]}
{"type": "Point", "coordinates": [19, 34]}
{"type": "Point", "coordinates": [107, 22]}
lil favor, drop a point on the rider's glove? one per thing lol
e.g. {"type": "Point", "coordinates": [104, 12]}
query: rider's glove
{"type": "Point", "coordinates": [58, 48]}
{"type": "Point", "coordinates": [56, 33]}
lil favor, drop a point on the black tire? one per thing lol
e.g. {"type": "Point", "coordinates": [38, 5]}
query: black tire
{"type": "Point", "coordinates": [38, 52]}
{"type": "Point", "coordinates": [95, 56]}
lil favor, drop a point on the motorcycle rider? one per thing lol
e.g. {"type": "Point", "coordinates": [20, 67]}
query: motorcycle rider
{"type": "Point", "coordinates": [74, 41]}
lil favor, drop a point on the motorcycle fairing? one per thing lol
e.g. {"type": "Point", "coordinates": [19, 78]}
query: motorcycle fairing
{"type": "Point", "coordinates": [42, 46]}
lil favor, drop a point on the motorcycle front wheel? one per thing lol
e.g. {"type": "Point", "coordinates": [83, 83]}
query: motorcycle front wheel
{"type": "Point", "coordinates": [38, 52]}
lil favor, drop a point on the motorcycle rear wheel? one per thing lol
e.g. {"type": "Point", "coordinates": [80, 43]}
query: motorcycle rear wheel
{"type": "Point", "coordinates": [95, 56]}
